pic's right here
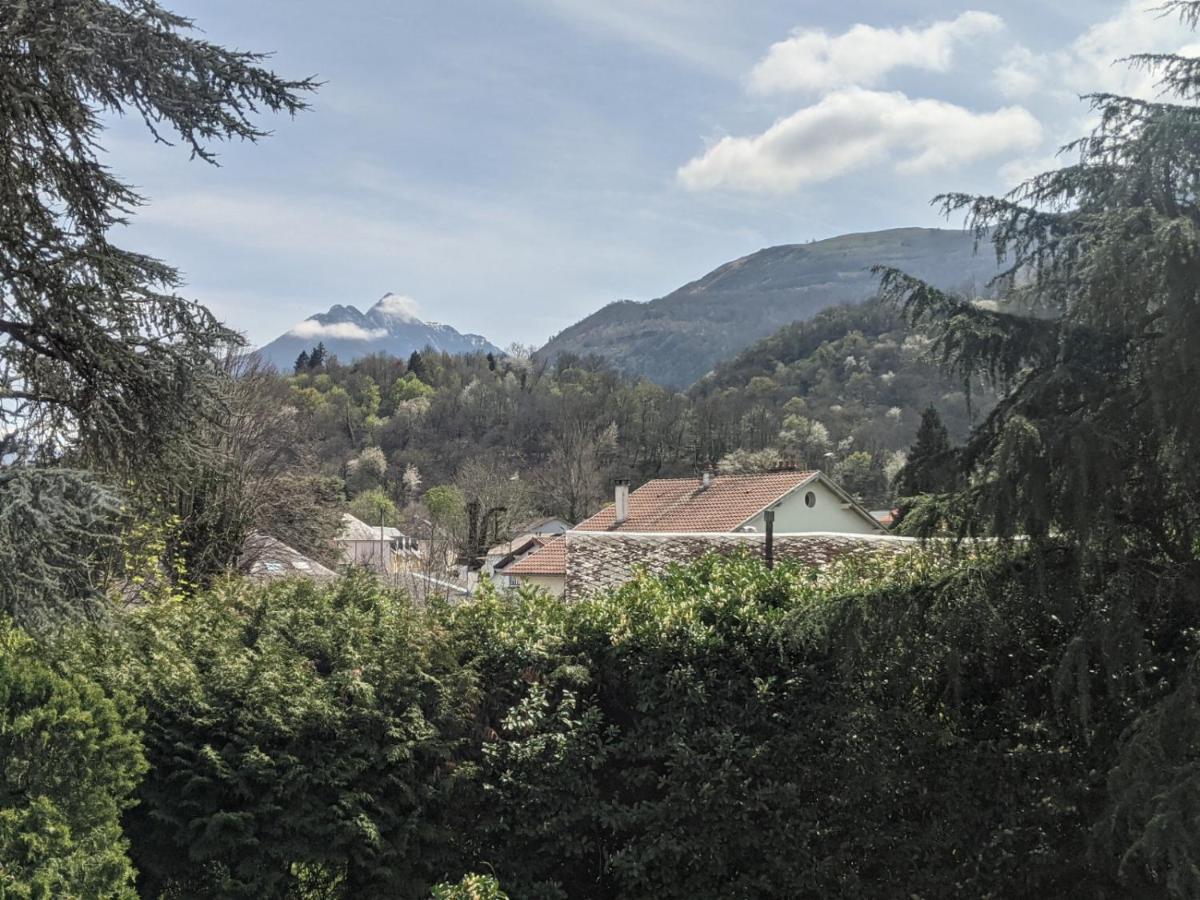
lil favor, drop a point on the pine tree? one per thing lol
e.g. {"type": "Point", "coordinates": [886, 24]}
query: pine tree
{"type": "Point", "coordinates": [100, 358]}
{"type": "Point", "coordinates": [318, 357]}
{"type": "Point", "coordinates": [1096, 351]}
{"type": "Point", "coordinates": [96, 346]}
{"type": "Point", "coordinates": [931, 467]}
{"type": "Point", "coordinates": [416, 365]}
{"type": "Point", "coordinates": [301, 365]}
{"type": "Point", "coordinates": [1097, 347]}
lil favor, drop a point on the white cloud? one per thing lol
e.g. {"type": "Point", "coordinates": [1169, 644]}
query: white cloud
{"type": "Point", "coordinates": [813, 60]}
{"type": "Point", "coordinates": [854, 128]}
{"type": "Point", "coordinates": [347, 331]}
{"type": "Point", "coordinates": [397, 306]}
{"type": "Point", "coordinates": [1090, 62]}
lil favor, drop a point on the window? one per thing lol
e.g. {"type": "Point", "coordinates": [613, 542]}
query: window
{"type": "Point", "coordinates": [810, 499]}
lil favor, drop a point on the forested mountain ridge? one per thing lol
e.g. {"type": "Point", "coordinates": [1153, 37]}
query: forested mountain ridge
{"type": "Point", "coordinates": [676, 339]}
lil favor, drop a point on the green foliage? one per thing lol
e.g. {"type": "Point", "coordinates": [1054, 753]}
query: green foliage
{"type": "Point", "coordinates": [97, 349]}
{"type": "Point", "coordinates": [941, 727]}
{"type": "Point", "coordinates": [949, 725]}
{"type": "Point", "coordinates": [58, 531]}
{"type": "Point", "coordinates": [853, 380]}
{"type": "Point", "coordinates": [295, 737]}
{"type": "Point", "coordinates": [472, 887]}
{"type": "Point", "coordinates": [373, 507]}
{"type": "Point", "coordinates": [71, 759]}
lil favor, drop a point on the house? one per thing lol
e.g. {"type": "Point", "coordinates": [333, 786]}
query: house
{"type": "Point", "coordinates": [805, 502]}
{"type": "Point", "coordinates": [265, 558]}
{"type": "Point", "coordinates": [381, 548]}
{"type": "Point", "coordinates": [509, 552]}
{"type": "Point", "coordinates": [551, 526]}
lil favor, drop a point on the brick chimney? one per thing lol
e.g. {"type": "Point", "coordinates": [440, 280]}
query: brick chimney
{"type": "Point", "coordinates": [622, 501]}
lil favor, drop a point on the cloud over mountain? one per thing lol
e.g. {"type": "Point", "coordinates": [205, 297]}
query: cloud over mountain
{"type": "Point", "coordinates": [311, 329]}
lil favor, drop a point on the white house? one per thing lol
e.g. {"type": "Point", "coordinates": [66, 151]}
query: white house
{"type": "Point", "coordinates": [380, 548]}
{"type": "Point", "coordinates": [803, 503]}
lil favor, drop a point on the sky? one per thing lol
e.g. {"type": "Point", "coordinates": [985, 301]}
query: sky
{"type": "Point", "coordinates": [511, 166]}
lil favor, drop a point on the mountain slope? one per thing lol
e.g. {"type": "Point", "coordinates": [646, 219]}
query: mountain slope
{"type": "Point", "coordinates": [676, 339]}
{"type": "Point", "coordinates": [390, 326]}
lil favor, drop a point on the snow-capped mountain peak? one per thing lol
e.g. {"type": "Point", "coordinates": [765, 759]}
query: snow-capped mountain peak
{"type": "Point", "coordinates": [393, 325]}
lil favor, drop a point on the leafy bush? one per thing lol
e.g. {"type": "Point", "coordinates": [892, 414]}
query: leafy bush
{"type": "Point", "coordinates": [940, 727]}
{"type": "Point", "coordinates": [472, 887]}
{"type": "Point", "coordinates": [931, 724]}
{"type": "Point", "coordinates": [297, 737]}
{"type": "Point", "coordinates": [70, 761]}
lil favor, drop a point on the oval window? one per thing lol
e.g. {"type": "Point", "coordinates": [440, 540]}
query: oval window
{"type": "Point", "coordinates": [810, 499]}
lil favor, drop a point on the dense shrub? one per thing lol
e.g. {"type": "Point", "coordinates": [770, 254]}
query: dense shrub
{"type": "Point", "coordinates": [932, 728]}
{"type": "Point", "coordinates": [301, 741]}
{"type": "Point", "coordinates": [924, 726]}
{"type": "Point", "coordinates": [69, 761]}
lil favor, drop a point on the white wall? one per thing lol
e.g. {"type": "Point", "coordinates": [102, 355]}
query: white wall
{"type": "Point", "coordinates": [794, 516]}
{"type": "Point", "coordinates": [555, 584]}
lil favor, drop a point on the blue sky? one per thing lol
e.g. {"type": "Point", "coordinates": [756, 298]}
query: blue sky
{"type": "Point", "coordinates": [516, 164]}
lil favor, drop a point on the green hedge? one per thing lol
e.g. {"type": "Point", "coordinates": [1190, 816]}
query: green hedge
{"type": "Point", "coordinates": [69, 761]}
{"type": "Point", "coordinates": [923, 727]}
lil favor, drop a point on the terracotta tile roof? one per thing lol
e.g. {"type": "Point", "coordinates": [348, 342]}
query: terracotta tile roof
{"type": "Point", "coordinates": [550, 560]}
{"type": "Point", "coordinates": [517, 544]}
{"type": "Point", "coordinates": [598, 561]}
{"type": "Point", "coordinates": [683, 504]}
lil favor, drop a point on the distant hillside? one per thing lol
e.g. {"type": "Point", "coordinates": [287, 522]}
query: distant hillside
{"type": "Point", "coordinates": [859, 370]}
{"type": "Point", "coordinates": [678, 338]}
{"type": "Point", "coordinates": [390, 326]}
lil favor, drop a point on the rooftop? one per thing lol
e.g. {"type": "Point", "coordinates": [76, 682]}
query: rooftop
{"type": "Point", "coordinates": [354, 529]}
{"type": "Point", "coordinates": [265, 558]}
{"type": "Point", "coordinates": [550, 560]}
{"type": "Point", "coordinates": [686, 504]}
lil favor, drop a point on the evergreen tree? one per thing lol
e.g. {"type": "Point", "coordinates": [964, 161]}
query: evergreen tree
{"type": "Point", "coordinates": [301, 365]}
{"type": "Point", "coordinates": [931, 467]}
{"type": "Point", "coordinates": [416, 365]}
{"type": "Point", "coordinates": [318, 357]}
{"type": "Point", "coordinates": [1097, 347]}
{"type": "Point", "coordinates": [491, 361]}
{"type": "Point", "coordinates": [96, 346]}
{"type": "Point", "coordinates": [1094, 443]}
{"type": "Point", "coordinates": [100, 358]}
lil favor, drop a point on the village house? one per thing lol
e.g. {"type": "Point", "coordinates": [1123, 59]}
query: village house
{"type": "Point", "coordinates": [802, 503]}
{"type": "Point", "coordinates": [265, 558]}
{"type": "Point", "coordinates": [381, 548]}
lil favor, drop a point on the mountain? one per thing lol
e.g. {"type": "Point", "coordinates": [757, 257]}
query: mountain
{"type": "Point", "coordinates": [676, 339]}
{"type": "Point", "coordinates": [390, 326]}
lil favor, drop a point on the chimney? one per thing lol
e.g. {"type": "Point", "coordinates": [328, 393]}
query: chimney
{"type": "Point", "coordinates": [706, 478]}
{"type": "Point", "coordinates": [622, 501]}
{"type": "Point", "coordinates": [769, 547]}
